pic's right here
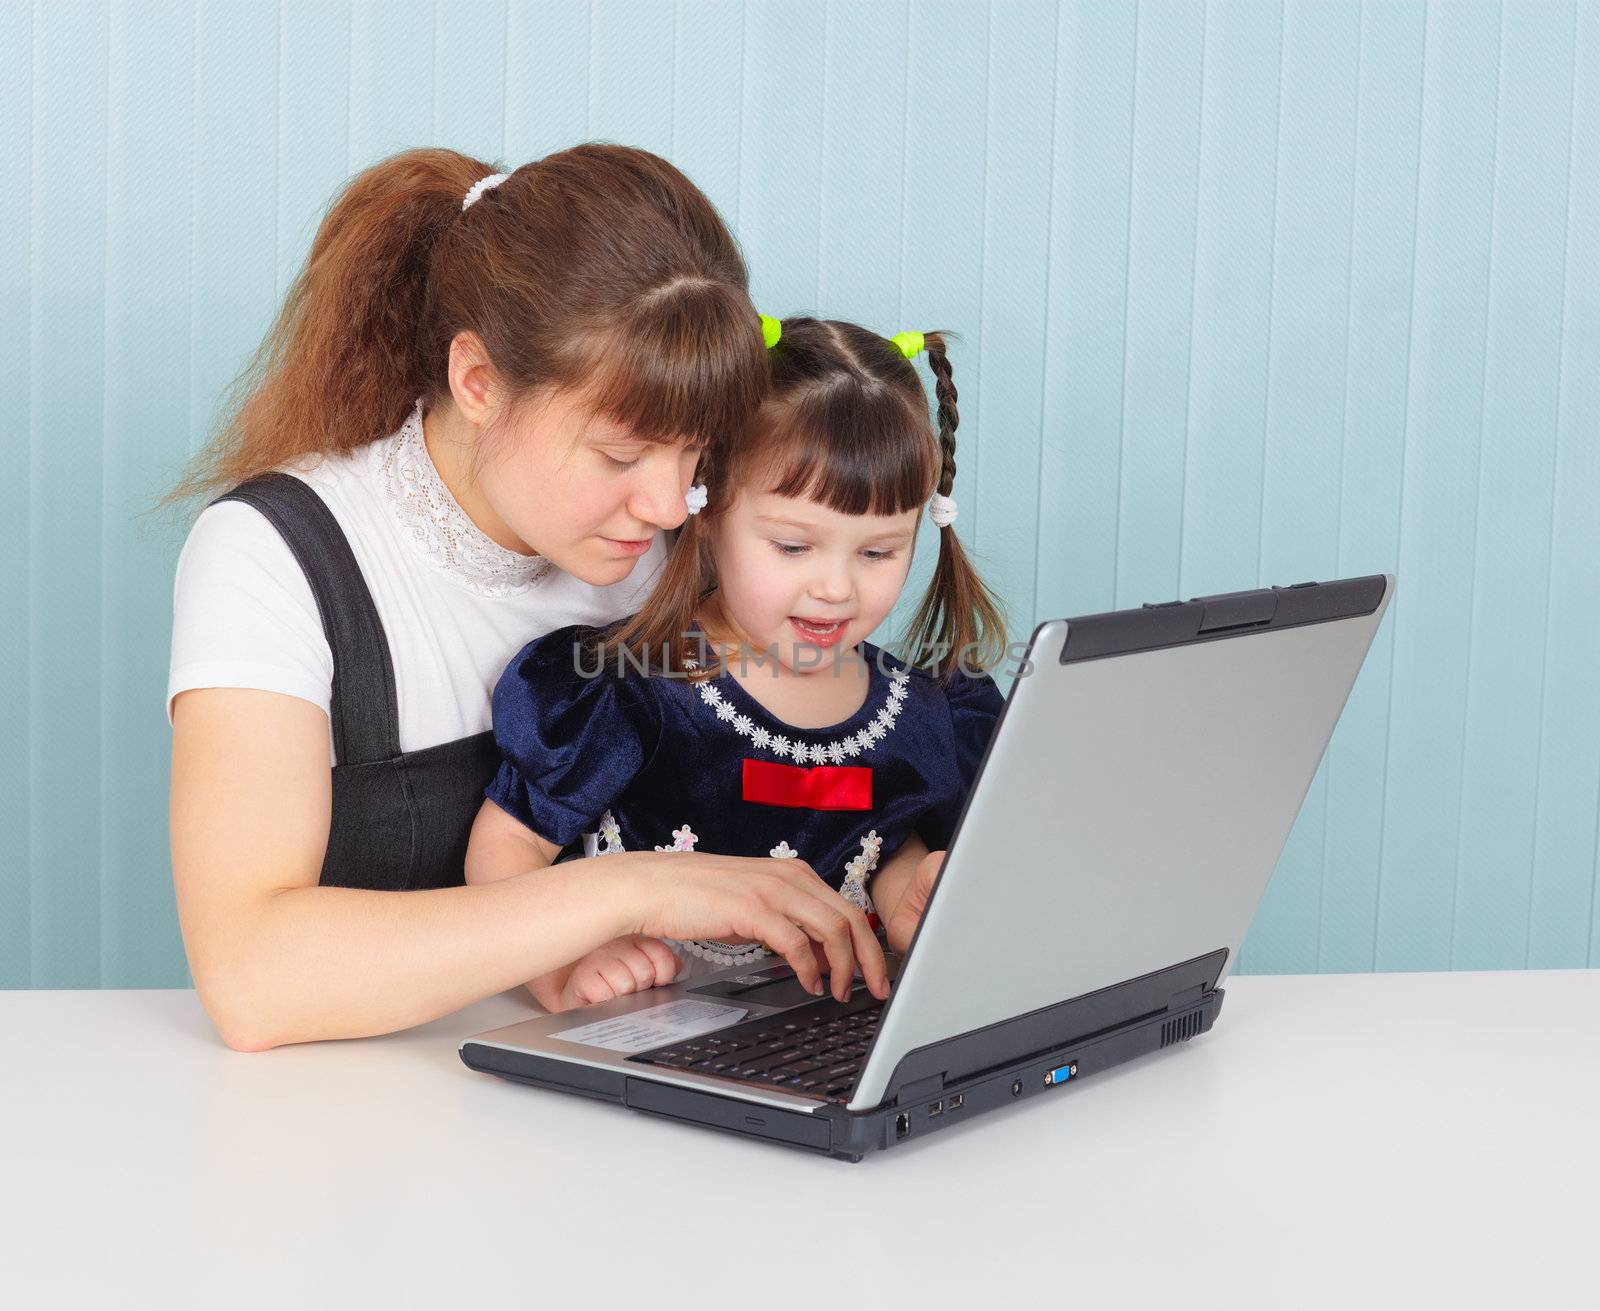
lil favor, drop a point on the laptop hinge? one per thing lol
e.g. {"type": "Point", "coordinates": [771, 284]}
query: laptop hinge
{"type": "Point", "coordinates": [1188, 997]}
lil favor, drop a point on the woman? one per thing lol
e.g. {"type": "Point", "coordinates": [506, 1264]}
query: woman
{"type": "Point", "coordinates": [484, 399]}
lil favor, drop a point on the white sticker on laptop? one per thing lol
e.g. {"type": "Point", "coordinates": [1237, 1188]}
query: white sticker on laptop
{"type": "Point", "coordinates": [656, 1026]}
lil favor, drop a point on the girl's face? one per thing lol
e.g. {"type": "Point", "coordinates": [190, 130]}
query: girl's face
{"type": "Point", "coordinates": [796, 576]}
{"type": "Point", "coordinates": [581, 490]}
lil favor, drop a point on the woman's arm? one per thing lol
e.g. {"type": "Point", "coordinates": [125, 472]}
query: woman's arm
{"type": "Point", "coordinates": [501, 848]}
{"type": "Point", "coordinates": [277, 958]}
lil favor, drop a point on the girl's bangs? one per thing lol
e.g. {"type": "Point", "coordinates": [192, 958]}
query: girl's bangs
{"type": "Point", "coordinates": [854, 453]}
{"type": "Point", "coordinates": [687, 364]}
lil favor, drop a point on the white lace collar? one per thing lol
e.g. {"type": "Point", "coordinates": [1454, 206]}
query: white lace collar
{"type": "Point", "coordinates": [434, 522]}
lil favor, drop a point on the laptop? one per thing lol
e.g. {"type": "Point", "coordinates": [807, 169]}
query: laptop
{"type": "Point", "coordinates": [1133, 801]}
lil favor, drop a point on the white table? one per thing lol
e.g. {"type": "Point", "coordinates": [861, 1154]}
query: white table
{"type": "Point", "coordinates": [1353, 1141]}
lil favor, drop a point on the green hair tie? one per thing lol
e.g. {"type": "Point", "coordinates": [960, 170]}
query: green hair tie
{"type": "Point", "coordinates": [771, 330]}
{"type": "Point", "coordinates": [910, 343]}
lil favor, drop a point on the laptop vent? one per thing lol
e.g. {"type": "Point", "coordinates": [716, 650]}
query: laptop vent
{"type": "Point", "coordinates": [1184, 1027]}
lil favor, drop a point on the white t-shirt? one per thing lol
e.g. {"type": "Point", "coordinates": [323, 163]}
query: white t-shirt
{"type": "Point", "coordinates": [455, 605]}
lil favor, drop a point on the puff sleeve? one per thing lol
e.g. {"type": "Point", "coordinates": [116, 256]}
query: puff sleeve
{"type": "Point", "coordinates": [975, 705]}
{"type": "Point", "coordinates": [569, 743]}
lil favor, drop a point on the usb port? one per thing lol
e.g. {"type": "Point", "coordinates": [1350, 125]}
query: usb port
{"type": "Point", "coordinates": [955, 1102]}
{"type": "Point", "coordinates": [1060, 1074]}
{"type": "Point", "coordinates": [902, 1125]}
{"type": "Point", "coordinates": [936, 1108]}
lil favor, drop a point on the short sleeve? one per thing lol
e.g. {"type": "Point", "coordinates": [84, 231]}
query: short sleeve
{"type": "Point", "coordinates": [243, 614]}
{"type": "Point", "coordinates": [975, 705]}
{"type": "Point", "coordinates": [571, 739]}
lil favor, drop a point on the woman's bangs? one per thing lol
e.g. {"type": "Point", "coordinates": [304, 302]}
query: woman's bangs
{"type": "Point", "coordinates": [688, 364]}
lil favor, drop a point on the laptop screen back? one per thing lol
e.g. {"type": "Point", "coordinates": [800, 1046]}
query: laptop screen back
{"type": "Point", "coordinates": [1130, 810]}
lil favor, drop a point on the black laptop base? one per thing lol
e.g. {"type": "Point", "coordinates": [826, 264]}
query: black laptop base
{"type": "Point", "coordinates": [919, 1106]}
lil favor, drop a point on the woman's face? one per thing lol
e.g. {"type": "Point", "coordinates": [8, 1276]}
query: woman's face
{"type": "Point", "coordinates": [579, 489]}
{"type": "Point", "coordinates": [806, 580]}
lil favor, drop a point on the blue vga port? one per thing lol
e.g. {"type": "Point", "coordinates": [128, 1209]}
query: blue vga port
{"type": "Point", "coordinates": [1061, 1074]}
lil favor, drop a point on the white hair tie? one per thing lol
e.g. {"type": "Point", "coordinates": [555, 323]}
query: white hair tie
{"type": "Point", "coordinates": [942, 510]}
{"type": "Point", "coordinates": [480, 186]}
{"type": "Point", "coordinates": [695, 498]}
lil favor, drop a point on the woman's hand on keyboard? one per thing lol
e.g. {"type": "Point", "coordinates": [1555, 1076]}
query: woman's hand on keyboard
{"type": "Point", "coordinates": [781, 903]}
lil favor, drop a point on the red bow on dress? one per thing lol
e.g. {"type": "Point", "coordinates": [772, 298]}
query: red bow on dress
{"type": "Point", "coordinates": [819, 787]}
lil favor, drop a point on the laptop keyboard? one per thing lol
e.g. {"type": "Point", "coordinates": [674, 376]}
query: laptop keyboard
{"type": "Point", "coordinates": [815, 1050]}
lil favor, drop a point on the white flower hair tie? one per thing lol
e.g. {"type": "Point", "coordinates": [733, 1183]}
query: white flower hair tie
{"type": "Point", "coordinates": [942, 510]}
{"type": "Point", "coordinates": [476, 190]}
{"type": "Point", "coordinates": [695, 498]}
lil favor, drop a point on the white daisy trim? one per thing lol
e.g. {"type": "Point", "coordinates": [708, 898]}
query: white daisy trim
{"type": "Point", "coordinates": [812, 753]}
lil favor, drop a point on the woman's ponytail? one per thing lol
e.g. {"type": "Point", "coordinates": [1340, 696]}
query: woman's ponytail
{"type": "Point", "coordinates": [345, 359]}
{"type": "Point", "coordinates": [958, 625]}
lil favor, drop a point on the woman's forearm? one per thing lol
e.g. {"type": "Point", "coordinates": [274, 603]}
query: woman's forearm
{"type": "Point", "coordinates": [323, 962]}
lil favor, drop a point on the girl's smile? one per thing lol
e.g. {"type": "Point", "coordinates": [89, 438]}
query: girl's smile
{"type": "Point", "coordinates": [819, 634]}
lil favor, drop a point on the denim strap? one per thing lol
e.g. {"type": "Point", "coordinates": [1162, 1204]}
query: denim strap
{"type": "Point", "coordinates": [364, 710]}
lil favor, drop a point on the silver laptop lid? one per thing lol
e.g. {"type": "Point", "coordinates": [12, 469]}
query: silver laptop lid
{"type": "Point", "coordinates": [1134, 800]}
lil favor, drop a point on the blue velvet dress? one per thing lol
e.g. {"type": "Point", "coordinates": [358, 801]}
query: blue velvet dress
{"type": "Point", "coordinates": [603, 761]}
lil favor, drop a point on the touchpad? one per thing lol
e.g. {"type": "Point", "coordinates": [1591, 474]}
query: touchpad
{"type": "Point", "coordinates": [777, 985]}
{"type": "Point", "coordinates": [740, 985]}
{"type": "Point", "coordinates": [783, 992]}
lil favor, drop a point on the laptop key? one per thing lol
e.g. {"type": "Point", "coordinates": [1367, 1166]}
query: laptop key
{"type": "Point", "coordinates": [758, 1067]}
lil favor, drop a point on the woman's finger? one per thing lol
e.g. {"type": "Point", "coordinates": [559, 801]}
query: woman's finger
{"type": "Point", "coordinates": [829, 926]}
{"type": "Point", "coordinates": [788, 939]}
{"type": "Point", "coordinates": [869, 952]}
{"type": "Point", "coordinates": [864, 947]}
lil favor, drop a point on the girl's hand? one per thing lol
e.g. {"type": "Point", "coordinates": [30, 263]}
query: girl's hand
{"type": "Point", "coordinates": [781, 903]}
{"type": "Point", "coordinates": [619, 967]}
{"type": "Point", "coordinates": [903, 919]}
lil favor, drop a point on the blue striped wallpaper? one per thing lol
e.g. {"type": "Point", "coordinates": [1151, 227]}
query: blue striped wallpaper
{"type": "Point", "coordinates": [1249, 292]}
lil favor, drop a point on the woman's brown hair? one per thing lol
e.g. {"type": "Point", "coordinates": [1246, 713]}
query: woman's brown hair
{"type": "Point", "coordinates": [601, 267]}
{"type": "Point", "coordinates": [845, 423]}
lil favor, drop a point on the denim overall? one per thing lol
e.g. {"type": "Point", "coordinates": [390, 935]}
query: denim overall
{"type": "Point", "coordinates": [400, 818]}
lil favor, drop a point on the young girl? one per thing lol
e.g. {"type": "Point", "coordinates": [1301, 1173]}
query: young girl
{"type": "Point", "coordinates": [771, 726]}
